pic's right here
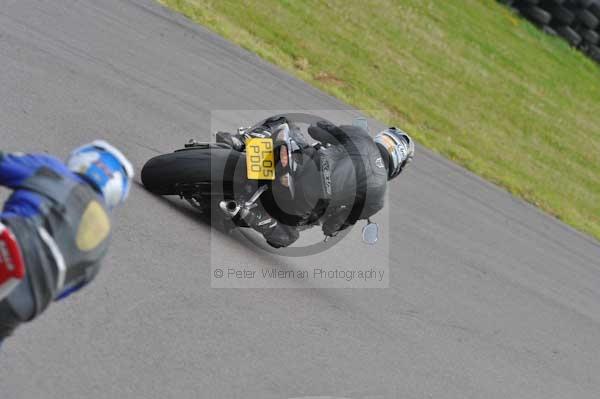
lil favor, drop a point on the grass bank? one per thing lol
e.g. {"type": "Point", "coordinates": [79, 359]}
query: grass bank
{"type": "Point", "coordinates": [468, 79]}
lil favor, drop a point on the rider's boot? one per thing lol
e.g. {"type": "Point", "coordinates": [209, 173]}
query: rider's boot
{"type": "Point", "coordinates": [276, 234]}
{"type": "Point", "coordinates": [236, 141]}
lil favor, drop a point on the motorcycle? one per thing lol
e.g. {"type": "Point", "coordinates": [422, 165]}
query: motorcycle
{"type": "Point", "coordinates": [208, 174]}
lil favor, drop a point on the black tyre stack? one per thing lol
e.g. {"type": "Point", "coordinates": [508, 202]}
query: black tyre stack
{"type": "Point", "coordinates": [577, 21]}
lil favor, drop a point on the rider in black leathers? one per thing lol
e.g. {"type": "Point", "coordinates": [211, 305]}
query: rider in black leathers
{"type": "Point", "coordinates": [343, 178]}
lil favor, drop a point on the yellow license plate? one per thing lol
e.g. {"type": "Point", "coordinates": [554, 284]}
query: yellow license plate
{"type": "Point", "coordinates": [260, 161]}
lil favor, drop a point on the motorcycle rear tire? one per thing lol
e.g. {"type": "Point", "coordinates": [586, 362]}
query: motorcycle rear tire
{"type": "Point", "coordinates": [216, 166]}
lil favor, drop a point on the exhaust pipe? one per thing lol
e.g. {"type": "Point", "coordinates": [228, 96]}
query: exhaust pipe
{"type": "Point", "coordinates": [230, 208]}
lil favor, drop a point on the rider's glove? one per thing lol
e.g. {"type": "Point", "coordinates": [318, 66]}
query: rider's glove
{"type": "Point", "coordinates": [336, 221]}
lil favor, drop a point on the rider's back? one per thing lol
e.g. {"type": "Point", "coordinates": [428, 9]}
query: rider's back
{"type": "Point", "coordinates": [352, 168]}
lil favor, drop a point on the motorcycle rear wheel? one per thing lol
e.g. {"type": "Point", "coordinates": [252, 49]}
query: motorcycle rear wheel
{"type": "Point", "coordinates": [213, 167]}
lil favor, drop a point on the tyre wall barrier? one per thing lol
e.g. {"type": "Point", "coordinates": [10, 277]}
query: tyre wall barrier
{"type": "Point", "coordinates": [577, 21]}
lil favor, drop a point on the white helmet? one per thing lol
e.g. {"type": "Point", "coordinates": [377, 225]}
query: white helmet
{"type": "Point", "coordinates": [399, 147]}
{"type": "Point", "coordinates": [105, 168]}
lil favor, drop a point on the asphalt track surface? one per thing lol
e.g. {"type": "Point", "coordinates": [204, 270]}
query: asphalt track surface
{"type": "Point", "coordinates": [487, 297]}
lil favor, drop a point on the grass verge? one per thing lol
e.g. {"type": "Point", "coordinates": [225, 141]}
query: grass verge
{"type": "Point", "coordinates": [467, 79]}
